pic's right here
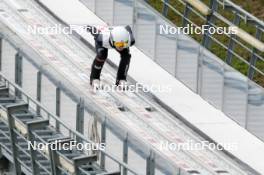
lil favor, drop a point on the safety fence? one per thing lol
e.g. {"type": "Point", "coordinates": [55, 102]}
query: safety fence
{"type": "Point", "coordinates": [68, 130]}
{"type": "Point", "coordinates": [70, 105]}
{"type": "Point", "coordinates": [195, 64]}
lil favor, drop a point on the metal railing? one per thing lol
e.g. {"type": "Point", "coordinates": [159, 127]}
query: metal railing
{"type": "Point", "coordinates": [129, 141]}
{"type": "Point", "coordinates": [151, 157]}
{"type": "Point", "coordinates": [193, 63]}
{"type": "Point", "coordinates": [210, 15]}
{"type": "Point", "coordinates": [71, 133]}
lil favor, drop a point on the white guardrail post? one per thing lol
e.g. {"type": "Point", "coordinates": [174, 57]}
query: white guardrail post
{"type": "Point", "coordinates": [39, 78]}
{"type": "Point", "coordinates": [18, 71]}
{"type": "Point", "coordinates": [58, 106]}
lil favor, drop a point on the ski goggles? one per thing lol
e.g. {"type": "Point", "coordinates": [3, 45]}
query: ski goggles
{"type": "Point", "coordinates": [121, 44]}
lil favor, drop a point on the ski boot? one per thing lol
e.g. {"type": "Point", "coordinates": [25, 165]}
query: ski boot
{"type": "Point", "coordinates": [95, 83]}
{"type": "Point", "coordinates": [122, 84]}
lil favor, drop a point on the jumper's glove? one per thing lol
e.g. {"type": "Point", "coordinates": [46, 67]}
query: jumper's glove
{"type": "Point", "coordinates": [131, 34]}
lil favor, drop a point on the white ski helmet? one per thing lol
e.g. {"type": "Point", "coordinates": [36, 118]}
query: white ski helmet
{"type": "Point", "coordinates": [119, 37]}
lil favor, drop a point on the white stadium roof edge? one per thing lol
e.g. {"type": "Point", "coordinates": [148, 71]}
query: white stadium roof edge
{"type": "Point", "coordinates": [214, 123]}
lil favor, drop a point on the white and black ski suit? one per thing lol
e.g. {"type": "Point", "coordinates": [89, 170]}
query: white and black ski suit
{"type": "Point", "coordinates": [102, 44]}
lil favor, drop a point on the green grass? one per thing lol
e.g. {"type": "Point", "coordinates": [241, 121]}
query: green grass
{"type": "Point", "coordinates": [254, 7]}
